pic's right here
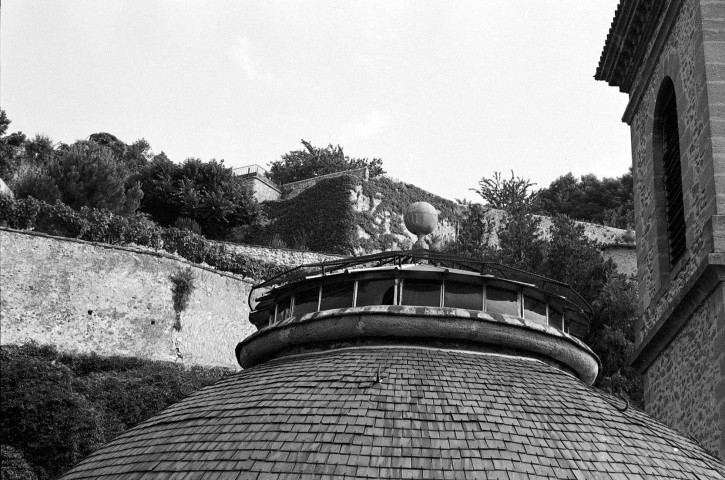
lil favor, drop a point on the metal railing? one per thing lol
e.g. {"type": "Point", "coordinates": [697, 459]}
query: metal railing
{"type": "Point", "coordinates": [546, 285]}
{"type": "Point", "coordinates": [250, 170]}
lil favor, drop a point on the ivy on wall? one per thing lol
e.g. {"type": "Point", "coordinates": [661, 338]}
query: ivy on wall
{"type": "Point", "coordinates": [394, 197]}
{"type": "Point", "coordinates": [323, 218]}
{"type": "Point", "coordinates": [182, 286]}
{"type": "Point", "coordinates": [320, 218]}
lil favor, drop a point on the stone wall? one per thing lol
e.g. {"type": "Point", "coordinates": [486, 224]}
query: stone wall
{"type": "Point", "coordinates": [624, 257]}
{"type": "Point", "coordinates": [285, 257]}
{"type": "Point", "coordinates": [262, 188]}
{"type": "Point", "coordinates": [682, 60]}
{"type": "Point", "coordinates": [680, 338]}
{"type": "Point", "coordinates": [5, 190]}
{"type": "Point", "coordinates": [87, 297]}
{"type": "Point", "coordinates": [685, 386]}
{"type": "Point", "coordinates": [713, 27]}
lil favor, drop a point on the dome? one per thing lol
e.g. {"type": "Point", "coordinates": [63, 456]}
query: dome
{"type": "Point", "coordinates": [381, 412]}
{"type": "Point", "coordinates": [386, 366]}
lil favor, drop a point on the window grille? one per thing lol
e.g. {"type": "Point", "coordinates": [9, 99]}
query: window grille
{"type": "Point", "coordinates": [674, 206]}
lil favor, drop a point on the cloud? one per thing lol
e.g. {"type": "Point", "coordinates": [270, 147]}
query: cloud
{"type": "Point", "coordinates": [250, 66]}
{"type": "Point", "coordinates": [374, 123]}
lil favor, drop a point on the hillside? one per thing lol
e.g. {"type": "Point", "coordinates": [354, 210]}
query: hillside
{"type": "Point", "coordinates": [350, 215]}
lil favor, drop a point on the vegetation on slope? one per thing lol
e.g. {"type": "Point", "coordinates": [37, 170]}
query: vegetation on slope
{"type": "Point", "coordinates": [105, 173]}
{"type": "Point", "coordinates": [609, 201]}
{"type": "Point", "coordinates": [567, 256]}
{"type": "Point", "coordinates": [320, 218]}
{"type": "Point", "coordinates": [98, 225]}
{"type": "Point", "coordinates": [313, 162]}
{"type": "Point", "coordinates": [57, 408]}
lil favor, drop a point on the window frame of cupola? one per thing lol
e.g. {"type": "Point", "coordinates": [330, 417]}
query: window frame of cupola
{"type": "Point", "coordinates": [667, 156]}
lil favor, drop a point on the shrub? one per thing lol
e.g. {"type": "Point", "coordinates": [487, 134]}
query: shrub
{"type": "Point", "coordinates": [14, 465]}
{"type": "Point", "coordinates": [314, 162]}
{"type": "Point", "coordinates": [207, 192]}
{"type": "Point", "coordinates": [57, 408]}
{"type": "Point", "coordinates": [182, 286]}
{"type": "Point", "coordinates": [43, 415]}
{"type": "Point", "coordinates": [186, 223]}
{"type": "Point", "coordinates": [103, 226]}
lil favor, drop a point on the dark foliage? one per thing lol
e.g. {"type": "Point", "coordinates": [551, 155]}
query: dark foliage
{"type": "Point", "coordinates": [608, 201]}
{"type": "Point", "coordinates": [570, 257]}
{"type": "Point", "coordinates": [185, 223]}
{"type": "Point", "coordinates": [11, 149]}
{"type": "Point", "coordinates": [84, 174]}
{"type": "Point", "coordinates": [57, 408]}
{"type": "Point", "coordinates": [182, 286]}
{"type": "Point", "coordinates": [14, 466]}
{"type": "Point", "coordinates": [206, 192]}
{"type": "Point", "coordinates": [507, 193]}
{"type": "Point", "coordinates": [314, 161]}
{"type": "Point", "coordinates": [320, 218]}
{"type": "Point", "coordinates": [134, 156]}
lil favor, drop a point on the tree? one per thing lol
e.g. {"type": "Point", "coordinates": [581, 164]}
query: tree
{"type": "Point", "coordinates": [609, 201]}
{"type": "Point", "coordinates": [84, 174]}
{"type": "Point", "coordinates": [574, 259]}
{"type": "Point", "coordinates": [519, 245]}
{"type": "Point", "coordinates": [44, 416]}
{"type": "Point", "coordinates": [11, 149]}
{"type": "Point", "coordinates": [207, 192]}
{"type": "Point", "coordinates": [474, 233]}
{"type": "Point", "coordinates": [507, 194]}
{"type": "Point", "coordinates": [313, 161]}
{"type": "Point", "coordinates": [568, 256]}
{"type": "Point", "coordinates": [134, 156]}
{"type": "Point", "coordinates": [89, 175]}
{"type": "Point", "coordinates": [39, 150]}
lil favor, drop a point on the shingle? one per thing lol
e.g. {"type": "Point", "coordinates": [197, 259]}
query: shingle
{"type": "Point", "coordinates": [438, 414]}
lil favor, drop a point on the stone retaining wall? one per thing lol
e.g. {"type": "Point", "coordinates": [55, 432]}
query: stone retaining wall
{"type": "Point", "coordinates": [88, 297]}
{"type": "Point", "coordinates": [293, 189]}
{"type": "Point", "coordinates": [285, 257]}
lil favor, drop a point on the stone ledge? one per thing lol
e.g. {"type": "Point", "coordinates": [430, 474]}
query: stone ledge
{"type": "Point", "coordinates": [142, 251]}
{"type": "Point", "coordinates": [709, 274]}
{"type": "Point", "coordinates": [442, 324]}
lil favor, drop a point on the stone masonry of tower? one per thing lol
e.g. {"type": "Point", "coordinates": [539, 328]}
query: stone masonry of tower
{"type": "Point", "coordinates": [680, 337]}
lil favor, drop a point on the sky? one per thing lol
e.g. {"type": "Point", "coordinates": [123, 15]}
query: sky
{"type": "Point", "coordinates": [444, 92]}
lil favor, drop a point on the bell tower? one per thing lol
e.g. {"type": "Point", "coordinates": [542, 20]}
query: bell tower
{"type": "Point", "coordinates": [669, 56]}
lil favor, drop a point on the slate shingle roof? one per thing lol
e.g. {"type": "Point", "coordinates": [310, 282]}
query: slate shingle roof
{"type": "Point", "coordinates": [435, 414]}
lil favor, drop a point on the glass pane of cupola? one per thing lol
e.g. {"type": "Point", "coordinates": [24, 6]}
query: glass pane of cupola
{"type": "Point", "coordinates": [534, 310]}
{"type": "Point", "coordinates": [306, 301]}
{"type": "Point", "coordinates": [375, 292]}
{"type": "Point", "coordinates": [338, 295]}
{"type": "Point", "coordinates": [463, 295]}
{"type": "Point", "coordinates": [499, 300]}
{"type": "Point", "coordinates": [421, 293]}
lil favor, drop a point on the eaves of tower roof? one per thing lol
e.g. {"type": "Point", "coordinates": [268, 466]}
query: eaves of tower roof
{"type": "Point", "coordinates": [634, 24]}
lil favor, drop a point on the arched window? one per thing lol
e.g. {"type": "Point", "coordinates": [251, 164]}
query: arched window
{"type": "Point", "coordinates": [667, 152]}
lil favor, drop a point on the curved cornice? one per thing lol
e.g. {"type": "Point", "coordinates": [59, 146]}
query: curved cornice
{"type": "Point", "coordinates": [400, 322]}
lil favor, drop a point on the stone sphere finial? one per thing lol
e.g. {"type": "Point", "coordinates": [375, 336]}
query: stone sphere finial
{"type": "Point", "coordinates": [421, 218]}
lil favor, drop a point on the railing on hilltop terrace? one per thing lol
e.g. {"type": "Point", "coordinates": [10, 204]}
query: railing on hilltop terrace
{"type": "Point", "coordinates": [250, 171]}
